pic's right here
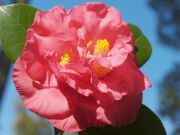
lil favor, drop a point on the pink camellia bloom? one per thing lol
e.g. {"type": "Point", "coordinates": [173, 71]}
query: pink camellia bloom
{"type": "Point", "coordinates": [78, 68]}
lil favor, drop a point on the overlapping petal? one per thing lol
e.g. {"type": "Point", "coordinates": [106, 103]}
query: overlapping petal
{"type": "Point", "coordinates": [124, 80]}
{"type": "Point", "coordinates": [47, 101]}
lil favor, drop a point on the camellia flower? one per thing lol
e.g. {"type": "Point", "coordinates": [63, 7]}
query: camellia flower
{"type": "Point", "coordinates": [78, 68]}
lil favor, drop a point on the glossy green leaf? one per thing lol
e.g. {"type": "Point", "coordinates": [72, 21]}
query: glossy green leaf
{"type": "Point", "coordinates": [146, 123]}
{"type": "Point", "coordinates": [142, 44]}
{"type": "Point", "coordinates": [14, 21]}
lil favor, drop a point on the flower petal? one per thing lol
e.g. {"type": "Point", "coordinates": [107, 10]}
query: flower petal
{"type": "Point", "coordinates": [45, 33]}
{"type": "Point", "coordinates": [122, 46]}
{"type": "Point", "coordinates": [90, 17]}
{"type": "Point", "coordinates": [22, 81]}
{"type": "Point", "coordinates": [48, 102]}
{"type": "Point", "coordinates": [53, 43]}
{"type": "Point", "coordinates": [83, 116]}
{"type": "Point", "coordinates": [49, 22]}
{"type": "Point", "coordinates": [111, 20]}
{"type": "Point", "coordinates": [125, 79]}
{"type": "Point", "coordinates": [68, 124]}
{"type": "Point", "coordinates": [122, 112]}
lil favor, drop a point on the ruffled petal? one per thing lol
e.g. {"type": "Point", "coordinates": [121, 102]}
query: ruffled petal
{"type": "Point", "coordinates": [47, 102]}
{"type": "Point", "coordinates": [119, 53]}
{"type": "Point", "coordinates": [125, 79]}
{"type": "Point", "coordinates": [45, 33]}
{"type": "Point", "coordinates": [53, 43]}
{"type": "Point", "coordinates": [48, 23]}
{"type": "Point", "coordinates": [122, 47]}
{"type": "Point", "coordinates": [89, 19]}
{"type": "Point", "coordinates": [80, 84]}
{"type": "Point", "coordinates": [22, 81]}
{"type": "Point", "coordinates": [111, 20]}
{"type": "Point", "coordinates": [96, 20]}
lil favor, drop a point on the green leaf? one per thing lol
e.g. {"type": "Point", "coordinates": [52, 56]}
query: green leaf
{"type": "Point", "coordinates": [14, 22]}
{"type": "Point", "coordinates": [143, 46]}
{"type": "Point", "coordinates": [146, 123]}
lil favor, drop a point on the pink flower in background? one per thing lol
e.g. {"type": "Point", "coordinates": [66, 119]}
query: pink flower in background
{"type": "Point", "coordinates": [78, 68]}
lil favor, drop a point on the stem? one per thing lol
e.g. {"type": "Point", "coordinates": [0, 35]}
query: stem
{"type": "Point", "coordinates": [56, 131]}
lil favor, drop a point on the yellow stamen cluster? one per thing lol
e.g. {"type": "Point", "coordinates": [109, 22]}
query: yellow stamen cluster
{"type": "Point", "coordinates": [102, 47]}
{"type": "Point", "coordinates": [65, 59]}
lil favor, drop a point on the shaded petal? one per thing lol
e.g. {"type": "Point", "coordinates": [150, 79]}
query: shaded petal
{"type": "Point", "coordinates": [122, 112]}
{"type": "Point", "coordinates": [33, 66]}
{"type": "Point", "coordinates": [83, 116]}
{"type": "Point", "coordinates": [79, 121]}
{"type": "Point", "coordinates": [36, 70]}
{"type": "Point", "coordinates": [85, 87]}
{"type": "Point", "coordinates": [133, 80]}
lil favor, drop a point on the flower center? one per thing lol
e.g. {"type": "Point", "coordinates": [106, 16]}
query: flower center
{"type": "Point", "coordinates": [101, 48]}
{"type": "Point", "coordinates": [65, 59]}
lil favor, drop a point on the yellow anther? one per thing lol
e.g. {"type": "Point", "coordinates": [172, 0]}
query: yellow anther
{"type": "Point", "coordinates": [102, 47]}
{"type": "Point", "coordinates": [89, 43]}
{"type": "Point", "coordinates": [65, 59]}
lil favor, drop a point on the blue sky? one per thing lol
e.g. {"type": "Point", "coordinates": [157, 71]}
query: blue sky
{"type": "Point", "coordinates": [136, 12]}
